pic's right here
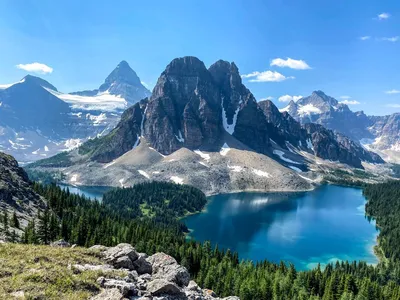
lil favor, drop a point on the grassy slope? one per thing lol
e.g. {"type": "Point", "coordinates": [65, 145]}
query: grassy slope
{"type": "Point", "coordinates": [42, 272]}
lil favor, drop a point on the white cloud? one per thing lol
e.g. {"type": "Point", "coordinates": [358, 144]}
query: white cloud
{"type": "Point", "coordinates": [287, 98]}
{"type": "Point", "coordinates": [393, 92]}
{"type": "Point", "coordinates": [383, 16]}
{"type": "Point", "coordinates": [290, 63]}
{"type": "Point", "coordinates": [344, 97]}
{"type": "Point", "coordinates": [393, 105]}
{"type": "Point", "coordinates": [266, 76]}
{"type": "Point", "coordinates": [364, 38]}
{"type": "Point", "coordinates": [35, 68]}
{"type": "Point", "coordinates": [267, 98]}
{"type": "Point", "coordinates": [391, 39]}
{"type": "Point", "coordinates": [145, 84]}
{"type": "Point", "coordinates": [350, 102]}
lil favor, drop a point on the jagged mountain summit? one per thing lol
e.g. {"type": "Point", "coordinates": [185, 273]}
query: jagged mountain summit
{"type": "Point", "coordinates": [204, 127]}
{"type": "Point", "coordinates": [377, 133]}
{"type": "Point", "coordinates": [37, 120]}
{"type": "Point", "coordinates": [122, 82]}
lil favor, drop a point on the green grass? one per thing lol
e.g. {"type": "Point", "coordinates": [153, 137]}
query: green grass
{"type": "Point", "coordinates": [146, 211]}
{"type": "Point", "coordinates": [44, 272]}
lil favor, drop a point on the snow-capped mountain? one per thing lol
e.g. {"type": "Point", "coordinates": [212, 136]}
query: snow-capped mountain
{"type": "Point", "coordinates": [378, 133]}
{"type": "Point", "coordinates": [204, 127]}
{"type": "Point", "coordinates": [37, 120]}
{"type": "Point", "coordinates": [121, 89]}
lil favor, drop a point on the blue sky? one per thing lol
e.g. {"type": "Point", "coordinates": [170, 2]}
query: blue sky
{"type": "Point", "coordinates": [82, 41]}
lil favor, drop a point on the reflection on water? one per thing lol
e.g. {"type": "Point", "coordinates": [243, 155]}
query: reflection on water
{"type": "Point", "coordinates": [324, 225]}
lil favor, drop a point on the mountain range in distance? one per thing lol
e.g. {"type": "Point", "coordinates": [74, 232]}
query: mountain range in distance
{"type": "Point", "coordinates": [377, 133]}
{"type": "Point", "coordinates": [205, 128]}
{"type": "Point", "coordinates": [37, 120]}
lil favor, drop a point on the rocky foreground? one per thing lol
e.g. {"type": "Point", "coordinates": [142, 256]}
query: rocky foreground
{"type": "Point", "coordinates": [156, 277]}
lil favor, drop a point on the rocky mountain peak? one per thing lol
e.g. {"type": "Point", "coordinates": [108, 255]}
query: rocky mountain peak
{"type": "Point", "coordinates": [186, 66]}
{"type": "Point", "coordinates": [224, 72]}
{"type": "Point", "coordinates": [123, 73]}
{"type": "Point", "coordinates": [319, 98]}
{"type": "Point", "coordinates": [30, 79]}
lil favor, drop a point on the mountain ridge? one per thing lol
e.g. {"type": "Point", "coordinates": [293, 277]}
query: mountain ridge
{"type": "Point", "coordinates": [204, 123]}
{"type": "Point", "coordinates": [376, 133]}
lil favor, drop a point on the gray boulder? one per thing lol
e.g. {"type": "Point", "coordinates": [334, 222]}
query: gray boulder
{"type": "Point", "coordinates": [162, 287]}
{"type": "Point", "coordinates": [109, 294]}
{"type": "Point", "coordinates": [100, 248]}
{"type": "Point", "coordinates": [60, 243]}
{"type": "Point", "coordinates": [165, 267]}
{"type": "Point", "coordinates": [142, 266]}
{"type": "Point", "coordinates": [127, 289]}
{"type": "Point", "coordinates": [121, 256]}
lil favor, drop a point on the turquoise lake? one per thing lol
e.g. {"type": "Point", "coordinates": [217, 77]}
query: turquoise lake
{"type": "Point", "coordinates": [92, 192]}
{"type": "Point", "coordinates": [321, 226]}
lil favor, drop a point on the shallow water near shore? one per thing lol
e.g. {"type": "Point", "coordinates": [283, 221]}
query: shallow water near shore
{"type": "Point", "coordinates": [325, 225]}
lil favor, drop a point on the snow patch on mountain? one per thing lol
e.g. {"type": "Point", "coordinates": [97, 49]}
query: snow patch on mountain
{"type": "Point", "coordinates": [204, 156]}
{"type": "Point", "coordinates": [261, 173]}
{"type": "Point", "coordinates": [6, 86]}
{"type": "Point", "coordinates": [295, 169]}
{"type": "Point", "coordinates": [281, 153]}
{"type": "Point", "coordinates": [143, 173]}
{"type": "Point", "coordinates": [101, 101]}
{"type": "Point", "coordinates": [177, 179]}
{"type": "Point", "coordinates": [224, 150]}
{"type": "Point", "coordinates": [179, 137]}
{"type": "Point", "coordinates": [235, 168]}
{"type": "Point", "coordinates": [97, 120]}
{"type": "Point", "coordinates": [72, 144]}
{"type": "Point", "coordinates": [230, 128]}
{"type": "Point", "coordinates": [308, 109]}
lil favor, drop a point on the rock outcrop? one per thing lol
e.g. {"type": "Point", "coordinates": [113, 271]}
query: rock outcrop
{"type": "Point", "coordinates": [16, 193]}
{"type": "Point", "coordinates": [157, 277]}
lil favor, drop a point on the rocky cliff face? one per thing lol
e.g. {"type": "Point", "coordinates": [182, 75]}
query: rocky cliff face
{"type": "Point", "coordinates": [386, 129]}
{"type": "Point", "coordinates": [376, 132]}
{"type": "Point", "coordinates": [315, 138]}
{"type": "Point", "coordinates": [337, 147]}
{"type": "Point", "coordinates": [283, 128]}
{"type": "Point", "coordinates": [184, 109]}
{"type": "Point", "coordinates": [124, 137]}
{"type": "Point", "coordinates": [16, 193]}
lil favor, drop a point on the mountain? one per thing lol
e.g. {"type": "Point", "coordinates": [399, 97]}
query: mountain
{"type": "Point", "coordinates": [27, 104]}
{"type": "Point", "coordinates": [37, 120]}
{"type": "Point", "coordinates": [377, 133]}
{"type": "Point", "coordinates": [122, 82]}
{"type": "Point", "coordinates": [204, 127]}
{"type": "Point", "coordinates": [16, 193]}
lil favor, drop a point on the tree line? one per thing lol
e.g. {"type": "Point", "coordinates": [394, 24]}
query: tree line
{"type": "Point", "coordinates": [86, 222]}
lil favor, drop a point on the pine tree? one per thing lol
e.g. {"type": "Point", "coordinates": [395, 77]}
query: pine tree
{"type": "Point", "coordinates": [44, 227]}
{"type": "Point", "coordinates": [5, 223]}
{"type": "Point", "coordinates": [14, 220]}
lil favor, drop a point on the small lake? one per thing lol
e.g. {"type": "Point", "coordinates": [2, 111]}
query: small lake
{"type": "Point", "coordinates": [320, 226]}
{"type": "Point", "coordinates": [93, 192]}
